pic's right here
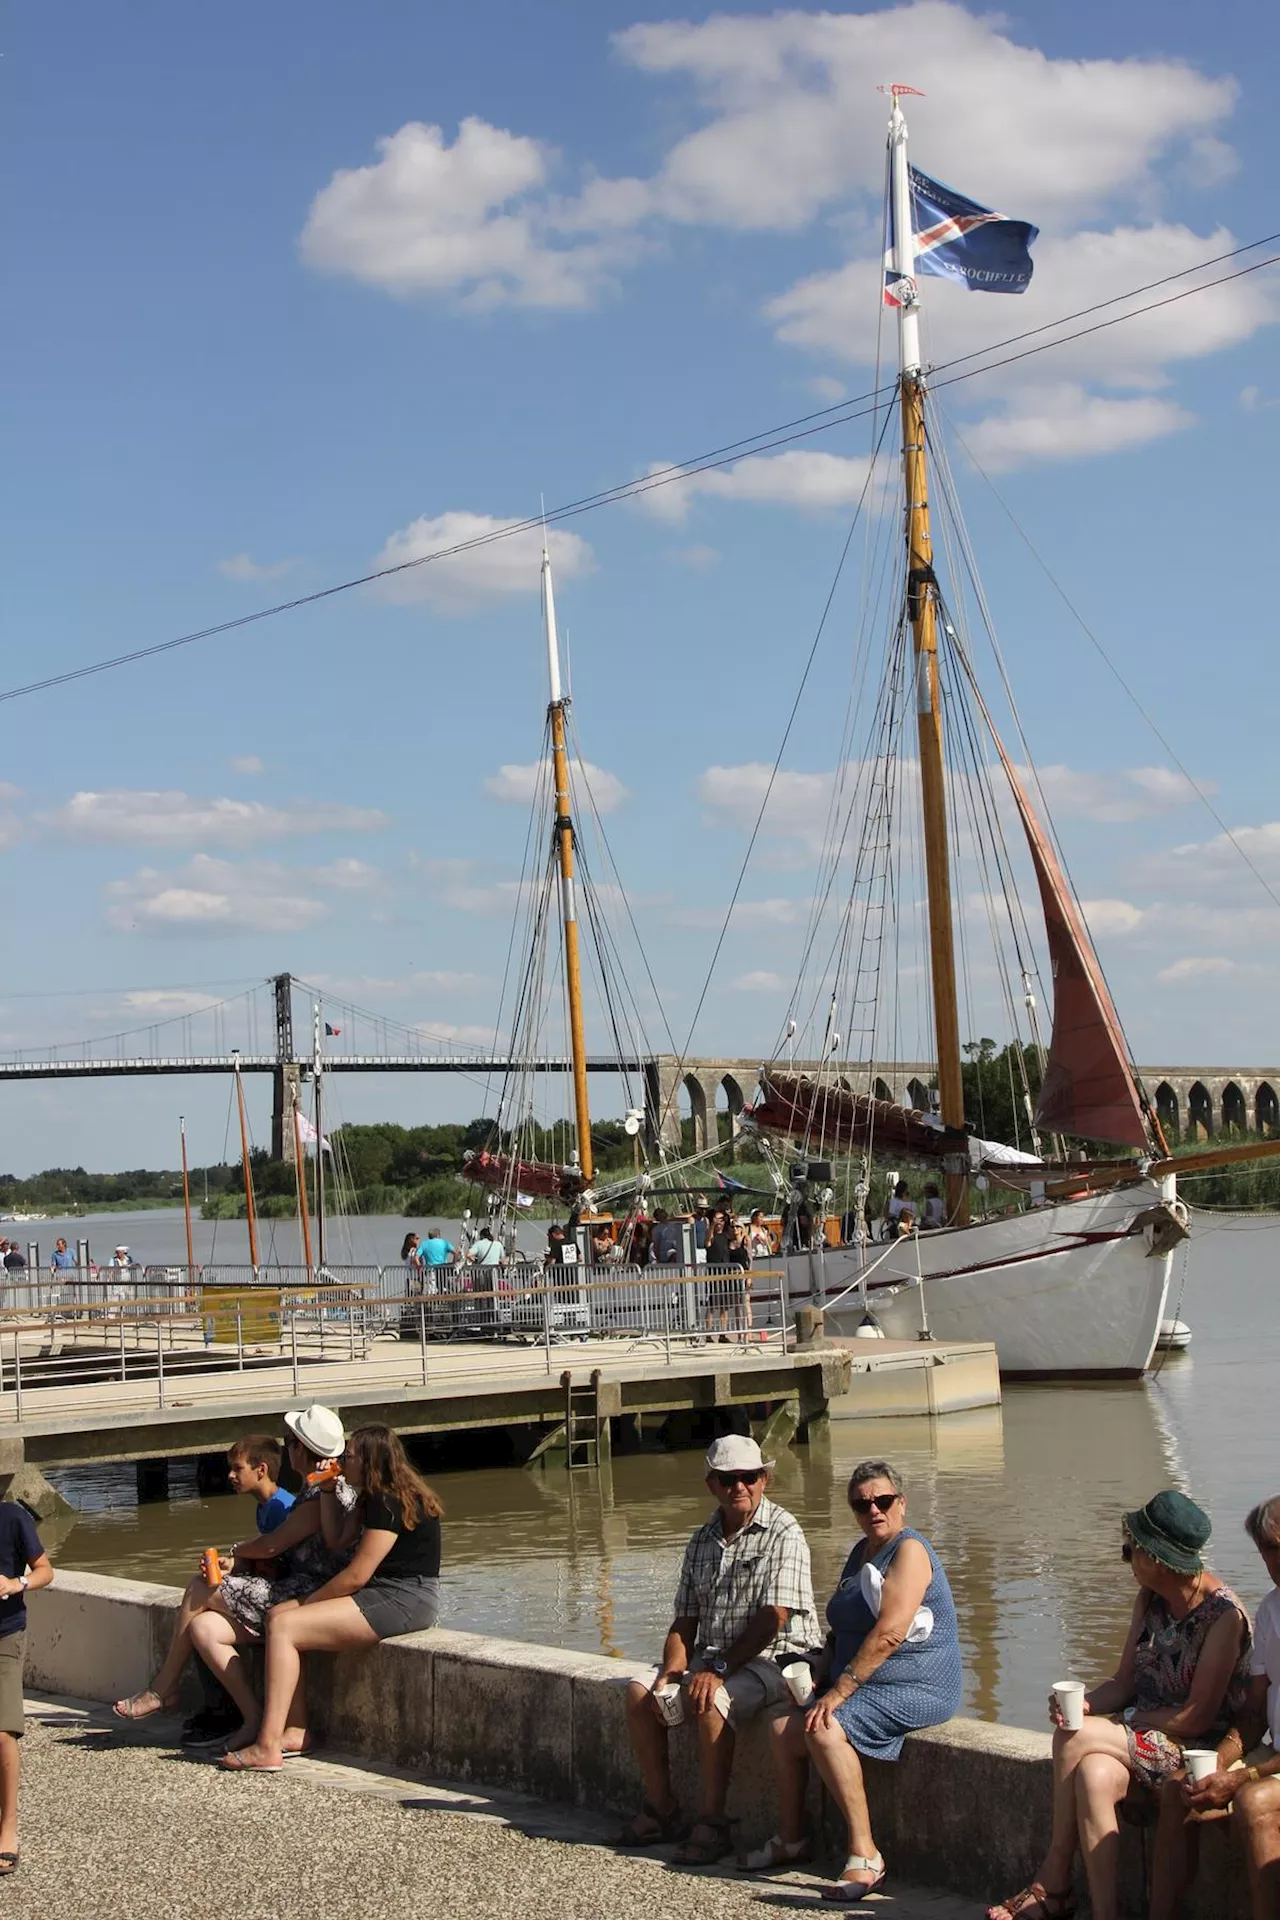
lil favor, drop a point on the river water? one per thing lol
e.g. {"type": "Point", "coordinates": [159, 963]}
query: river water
{"type": "Point", "coordinates": [1022, 1503]}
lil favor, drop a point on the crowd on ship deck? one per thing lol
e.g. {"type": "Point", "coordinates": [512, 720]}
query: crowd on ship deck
{"type": "Point", "coordinates": [1182, 1735]}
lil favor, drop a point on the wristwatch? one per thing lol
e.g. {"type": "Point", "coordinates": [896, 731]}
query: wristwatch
{"type": "Point", "coordinates": [717, 1664]}
{"type": "Point", "coordinates": [24, 1581]}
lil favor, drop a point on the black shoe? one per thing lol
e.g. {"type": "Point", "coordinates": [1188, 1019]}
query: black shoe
{"type": "Point", "coordinates": [208, 1730]}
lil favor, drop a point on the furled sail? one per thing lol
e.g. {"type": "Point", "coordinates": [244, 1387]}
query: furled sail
{"type": "Point", "coordinates": [836, 1117]}
{"type": "Point", "coordinates": [535, 1177]}
{"type": "Point", "coordinates": [1089, 1089]}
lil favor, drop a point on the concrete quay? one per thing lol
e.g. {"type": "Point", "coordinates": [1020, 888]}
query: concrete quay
{"type": "Point", "coordinates": [452, 1388]}
{"type": "Point", "coordinates": [965, 1811]}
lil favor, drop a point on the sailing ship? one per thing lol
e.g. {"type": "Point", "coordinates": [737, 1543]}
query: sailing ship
{"type": "Point", "coordinates": [1071, 1276]}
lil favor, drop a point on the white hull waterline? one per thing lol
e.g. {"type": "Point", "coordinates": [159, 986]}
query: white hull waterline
{"type": "Point", "coordinates": [1068, 1289]}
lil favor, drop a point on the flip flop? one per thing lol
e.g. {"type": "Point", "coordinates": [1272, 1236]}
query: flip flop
{"type": "Point", "coordinates": [128, 1709]}
{"type": "Point", "coordinates": [233, 1763]}
{"type": "Point", "coordinates": [12, 1867]}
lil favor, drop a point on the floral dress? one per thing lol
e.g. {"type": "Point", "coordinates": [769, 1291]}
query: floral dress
{"type": "Point", "coordinates": [1165, 1662]}
{"type": "Point", "coordinates": [304, 1568]}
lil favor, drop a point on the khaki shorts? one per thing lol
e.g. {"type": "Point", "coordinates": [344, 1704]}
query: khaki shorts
{"type": "Point", "coordinates": [13, 1647]}
{"type": "Point", "coordinates": [751, 1689]}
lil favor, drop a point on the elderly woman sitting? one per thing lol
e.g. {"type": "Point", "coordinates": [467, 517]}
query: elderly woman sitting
{"type": "Point", "coordinates": [1181, 1680]}
{"type": "Point", "coordinates": [1247, 1782]}
{"type": "Point", "coordinates": [891, 1664]}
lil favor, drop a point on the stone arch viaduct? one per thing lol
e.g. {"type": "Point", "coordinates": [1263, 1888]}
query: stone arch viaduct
{"type": "Point", "coordinates": [1192, 1102]}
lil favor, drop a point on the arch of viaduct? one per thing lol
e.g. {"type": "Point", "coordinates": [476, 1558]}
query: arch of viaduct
{"type": "Point", "coordinates": [1192, 1102]}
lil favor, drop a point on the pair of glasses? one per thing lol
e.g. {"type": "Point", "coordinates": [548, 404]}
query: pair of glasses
{"type": "Point", "coordinates": [880, 1501]}
{"type": "Point", "coordinates": [731, 1480]}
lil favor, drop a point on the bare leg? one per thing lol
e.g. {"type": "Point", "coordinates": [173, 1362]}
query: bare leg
{"type": "Point", "coordinates": [218, 1639]}
{"type": "Point", "coordinates": [841, 1769]}
{"type": "Point", "coordinates": [715, 1761]}
{"type": "Point", "coordinates": [327, 1626]}
{"type": "Point", "coordinates": [1175, 1855]}
{"type": "Point", "coordinates": [1257, 1812]}
{"type": "Point", "coordinates": [163, 1690]}
{"type": "Point", "coordinates": [9, 1770]}
{"type": "Point", "coordinates": [1102, 1781]}
{"type": "Point", "coordinates": [649, 1744]}
{"type": "Point", "coordinates": [790, 1755]}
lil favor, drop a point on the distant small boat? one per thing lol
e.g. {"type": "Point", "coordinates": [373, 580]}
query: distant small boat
{"type": "Point", "coordinates": [1174, 1337]}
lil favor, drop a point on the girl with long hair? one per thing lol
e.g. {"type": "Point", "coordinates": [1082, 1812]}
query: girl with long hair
{"type": "Point", "coordinates": [391, 1585]}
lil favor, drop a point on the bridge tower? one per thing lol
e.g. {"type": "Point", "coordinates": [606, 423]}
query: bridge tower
{"type": "Point", "coordinates": [287, 1075]}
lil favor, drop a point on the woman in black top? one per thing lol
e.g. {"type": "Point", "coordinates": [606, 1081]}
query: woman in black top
{"type": "Point", "coordinates": [390, 1585]}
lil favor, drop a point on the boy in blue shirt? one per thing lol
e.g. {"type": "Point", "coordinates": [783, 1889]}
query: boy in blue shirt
{"type": "Point", "coordinates": [253, 1467]}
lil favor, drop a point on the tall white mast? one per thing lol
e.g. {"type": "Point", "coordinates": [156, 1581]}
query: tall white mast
{"type": "Point", "coordinates": [904, 241]}
{"type": "Point", "coordinates": [568, 900]}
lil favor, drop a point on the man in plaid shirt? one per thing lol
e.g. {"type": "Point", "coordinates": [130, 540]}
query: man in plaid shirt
{"type": "Point", "coordinates": [744, 1609]}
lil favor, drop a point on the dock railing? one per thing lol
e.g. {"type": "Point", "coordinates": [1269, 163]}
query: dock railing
{"type": "Point", "coordinates": [149, 1327]}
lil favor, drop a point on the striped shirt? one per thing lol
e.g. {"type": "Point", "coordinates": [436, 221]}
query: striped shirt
{"type": "Point", "coordinates": [725, 1583]}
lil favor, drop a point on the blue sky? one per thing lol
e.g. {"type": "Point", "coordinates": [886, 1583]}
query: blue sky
{"type": "Point", "coordinates": [265, 326]}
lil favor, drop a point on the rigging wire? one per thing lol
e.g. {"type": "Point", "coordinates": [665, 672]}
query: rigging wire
{"type": "Point", "coordinates": [803, 427]}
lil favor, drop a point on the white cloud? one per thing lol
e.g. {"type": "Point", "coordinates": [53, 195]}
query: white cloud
{"type": "Point", "coordinates": [471, 220]}
{"type": "Point", "coordinates": [1225, 867]}
{"type": "Point", "coordinates": [404, 986]}
{"type": "Point", "coordinates": [246, 763]}
{"type": "Point", "coordinates": [761, 981]}
{"type": "Point", "coordinates": [126, 816]}
{"type": "Point", "coordinates": [1111, 919]}
{"type": "Point", "coordinates": [786, 93]}
{"type": "Point", "coordinates": [210, 896]}
{"type": "Point", "coordinates": [463, 581]}
{"type": "Point", "coordinates": [520, 785]}
{"type": "Point", "coordinates": [241, 567]}
{"type": "Point", "coordinates": [1066, 423]}
{"type": "Point", "coordinates": [1188, 971]}
{"type": "Point", "coordinates": [804, 479]}
{"type": "Point", "coordinates": [1253, 400]}
{"type": "Point", "coordinates": [166, 1003]}
{"type": "Point", "coordinates": [1134, 793]}
{"type": "Point", "coordinates": [348, 876]}
{"type": "Point", "coordinates": [459, 1036]}
{"type": "Point", "coordinates": [774, 912]}
{"type": "Point", "coordinates": [697, 557]}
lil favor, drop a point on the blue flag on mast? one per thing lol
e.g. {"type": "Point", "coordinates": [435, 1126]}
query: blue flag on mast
{"type": "Point", "coordinates": [960, 240]}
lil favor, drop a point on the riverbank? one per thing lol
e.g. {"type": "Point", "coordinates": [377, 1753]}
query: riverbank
{"type": "Point", "coordinates": [965, 1810]}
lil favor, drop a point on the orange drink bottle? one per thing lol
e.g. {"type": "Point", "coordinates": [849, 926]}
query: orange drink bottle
{"type": "Point", "coordinates": [211, 1566]}
{"type": "Point", "coordinates": [326, 1475]}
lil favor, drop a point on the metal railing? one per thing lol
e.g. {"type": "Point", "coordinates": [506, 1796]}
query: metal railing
{"type": "Point", "coordinates": [239, 1321]}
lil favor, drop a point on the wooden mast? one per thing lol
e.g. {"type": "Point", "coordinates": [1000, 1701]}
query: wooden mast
{"type": "Point", "coordinates": [317, 1080]}
{"type": "Point", "coordinates": [186, 1198]}
{"type": "Point", "coordinates": [249, 1213]}
{"type": "Point", "coordinates": [922, 611]}
{"type": "Point", "coordinates": [568, 903]}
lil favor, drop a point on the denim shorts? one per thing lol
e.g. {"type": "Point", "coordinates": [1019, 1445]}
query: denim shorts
{"type": "Point", "coordinates": [399, 1606]}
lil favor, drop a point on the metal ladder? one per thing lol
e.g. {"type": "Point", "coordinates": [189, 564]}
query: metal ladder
{"type": "Point", "coordinates": [581, 1421]}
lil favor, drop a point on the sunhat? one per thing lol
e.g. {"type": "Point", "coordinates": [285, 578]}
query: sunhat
{"type": "Point", "coordinates": [1170, 1529]}
{"type": "Point", "coordinates": [735, 1453]}
{"type": "Point", "coordinates": [319, 1430]}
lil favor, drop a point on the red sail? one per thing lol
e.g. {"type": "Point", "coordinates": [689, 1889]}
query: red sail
{"type": "Point", "coordinates": [534, 1177]}
{"type": "Point", "coordinates": [1089, 1089]}
{"type": "Point", "coordinates": [837, 1117]}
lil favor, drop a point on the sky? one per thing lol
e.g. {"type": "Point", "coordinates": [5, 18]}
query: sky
{"type": "Point", "coordinates": [298, 291]}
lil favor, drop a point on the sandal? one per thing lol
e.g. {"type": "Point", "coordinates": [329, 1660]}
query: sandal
{"type": "Point", "coordinates": [777, 1854]}
{"type": "Point", "coordinates": [667, 1828]}
{"type": "Point", "coordinates": [12, 1864]}
{"type": "Point", "coordinates": [235, 1762]}
{"type": "Point", "coordinates": [705, 1853]}
{"type": "Point", "coordinates": [1034, 1903]}
{"type": "Point", "coordinates": [847, 1893]}
{"type": "Point", "coordinates": [131, 1709]}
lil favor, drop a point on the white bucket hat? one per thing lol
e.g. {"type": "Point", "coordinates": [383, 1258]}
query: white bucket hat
{"type": "Point", "coordinates": [735, 1453]}
{"type": "Point", "coordinates": [319, 1430]}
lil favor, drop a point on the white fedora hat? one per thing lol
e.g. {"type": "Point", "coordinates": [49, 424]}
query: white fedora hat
{"type": "Point", "coordinates": [319, 1430]}
{"type": "Point", "coordinates": [735, 1453]}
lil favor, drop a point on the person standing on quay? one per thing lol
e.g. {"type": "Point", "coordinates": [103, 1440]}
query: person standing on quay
{"type": "Point", "coordinates": [24, 1566]}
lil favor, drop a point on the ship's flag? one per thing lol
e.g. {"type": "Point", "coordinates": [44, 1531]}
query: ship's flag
{"type": "Point", "coordinates": [308, 1135]}
{"type": "Point", "coordinates": [332, 1032]}
{"type": "Point", "coordinates": [956, 238]}
{"type": "Point", "coordinates": [726, 1184]}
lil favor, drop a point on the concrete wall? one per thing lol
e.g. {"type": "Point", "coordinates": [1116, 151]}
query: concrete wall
{"type": "Point", "coordinates": [966, 1808]}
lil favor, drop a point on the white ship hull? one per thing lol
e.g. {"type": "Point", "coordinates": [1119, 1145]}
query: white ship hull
{"type": "Point", "coordinates": [1060, 1290]}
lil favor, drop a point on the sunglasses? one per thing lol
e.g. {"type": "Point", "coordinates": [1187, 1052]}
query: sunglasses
{"type": "Point", "coordinates": [880, 1501]}
{"type": "Point", "coordinates": [730, 1480]}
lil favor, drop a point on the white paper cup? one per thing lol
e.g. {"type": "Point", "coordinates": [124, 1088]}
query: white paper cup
{"type": "Point", "coordinates": [1070, 1697]}
{"type": "Point", "coordinates": [670, 1703]}
{"type": "Point", "coordinates": [1201, 1762]}
{"type": "Point", "coordinates": [799, 1679]}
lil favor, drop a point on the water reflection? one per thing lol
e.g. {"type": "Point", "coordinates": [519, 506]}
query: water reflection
{"type": "Point", "coordinates": [1023, 1508]}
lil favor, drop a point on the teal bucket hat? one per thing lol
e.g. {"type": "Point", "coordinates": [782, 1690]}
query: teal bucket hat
{"type": "Point", "coordinates": [1172, 1530]}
